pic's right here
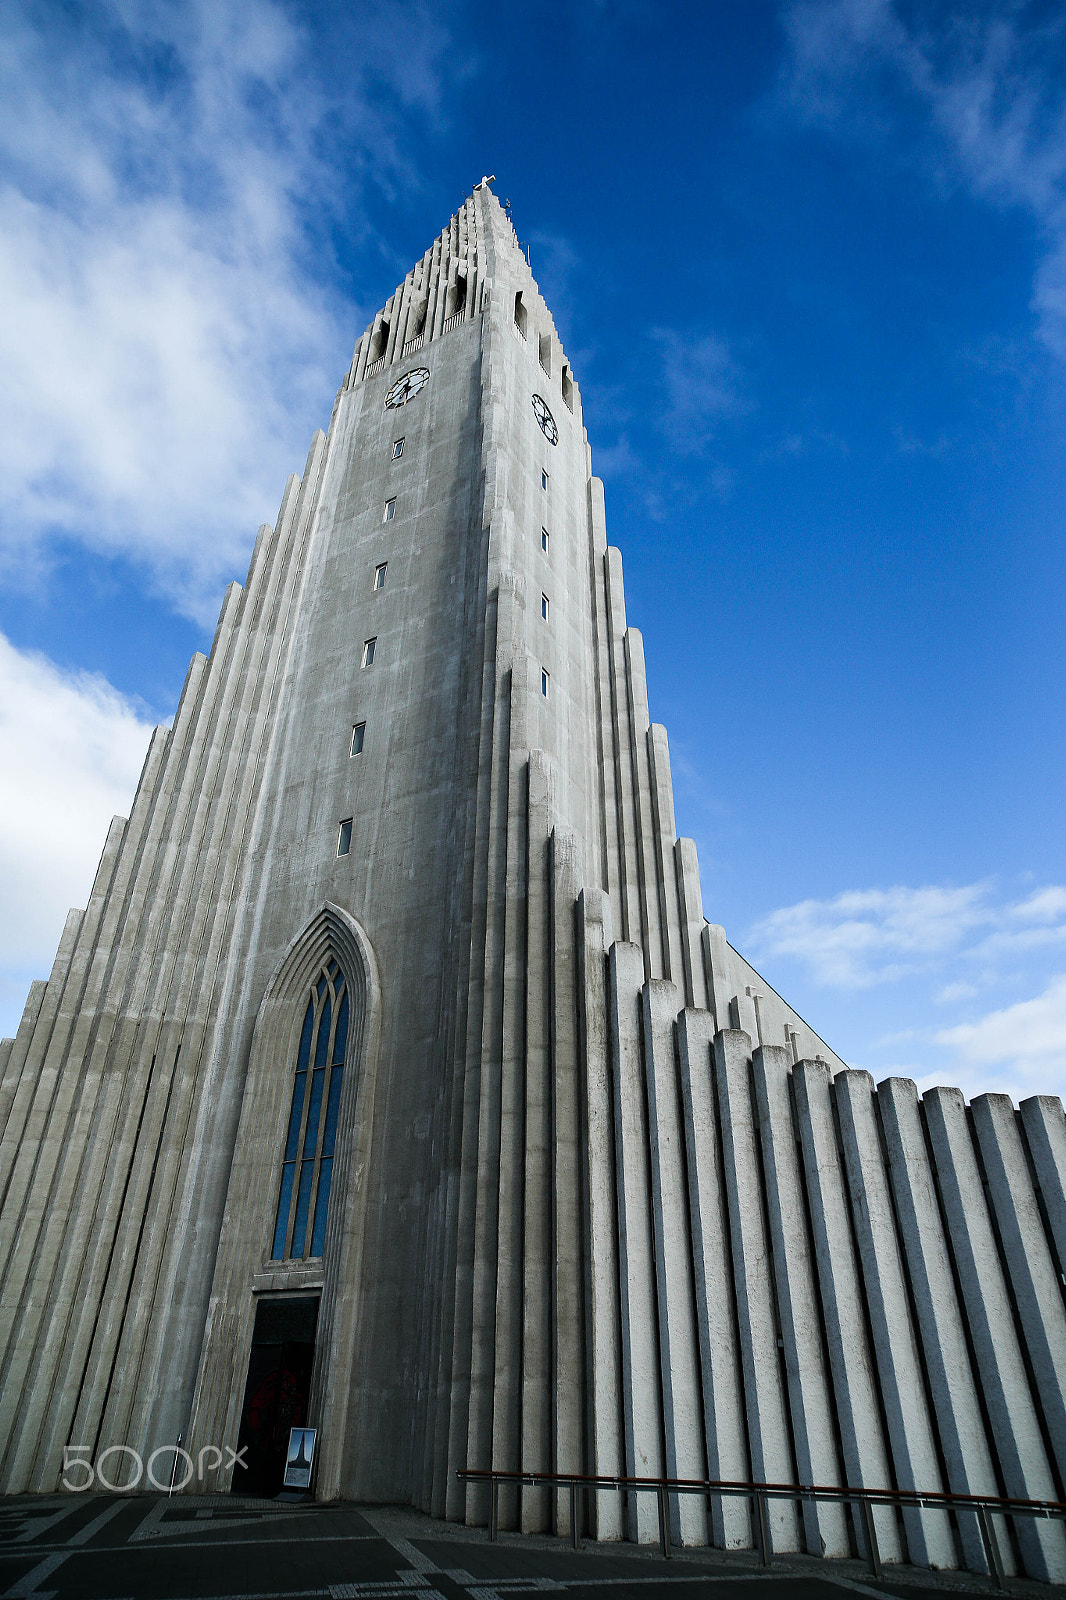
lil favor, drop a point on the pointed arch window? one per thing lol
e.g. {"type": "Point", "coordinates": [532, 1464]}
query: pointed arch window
{"type": "Point", "coordinates": [307, 1165]}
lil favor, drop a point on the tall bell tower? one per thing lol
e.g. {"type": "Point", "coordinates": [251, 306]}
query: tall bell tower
{"type": "Point", "coordinates": [393, 1083]}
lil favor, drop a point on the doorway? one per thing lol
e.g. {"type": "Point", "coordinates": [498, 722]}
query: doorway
{"type": "Point", "coordinates": [278, 1389]}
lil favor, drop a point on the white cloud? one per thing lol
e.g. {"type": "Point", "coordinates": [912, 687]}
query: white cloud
{"type": "Point", "coordinates": [1019, 1049]}
{"type": "Point", "coordinates": [872, 936]}
{"type": "Point", "coordinates": [174, 325]}
{"type": "Point", "coordinates": [71, 750]}
{"type": "Point", "coordinates": [704, 385]}
{"type": "Point", "coordinates": [990, 86]}
{"type": "Point", "coordinates": [869, 936]}
{"type": "Point", "coordinates": [965, 950]}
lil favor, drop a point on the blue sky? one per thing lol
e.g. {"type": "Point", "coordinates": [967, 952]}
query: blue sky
{"type": "Point", "coordinates": [808, 261]}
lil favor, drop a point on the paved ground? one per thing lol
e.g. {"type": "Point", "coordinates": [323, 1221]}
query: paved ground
{"type": "Point", "coordinates": [112, 1547]}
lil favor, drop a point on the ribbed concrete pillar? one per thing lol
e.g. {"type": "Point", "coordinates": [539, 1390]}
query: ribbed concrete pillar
{"type": "Point", "coordinates": [725, 1434]}
{"type": "Point", "coordinates": [910, 1425]}
{"type": "Point", "coordinates": [692, 924]}
{"type": "Point", "coordinates": [947, 1361]}
{"type": "Point", "coordinates": [570, 1400]}
{"type": "Point", "coordinates": [1045, 1133]}
{"type": "Point", "coordinates": [757, 1319]}
{"type": "Point", "coordinates": [855, 1387]}
{"type": "Point", "coordinates": [678, 1341]}
{"type": "Point", "coordinates": [1033, 1276]}
{"type": "Point", "coordinates": [799, 1314]}
{"type": "Point", "coordinates": [604, 1362]}
{"type": "Point", "coordinates": [716, 972]}
{"type": "Point", "coordinates": [536, 1449]}
{"type": "Point", "coordinates": [641, 1389]}
{"type": "Point", "coordinates": [1015, 1430]}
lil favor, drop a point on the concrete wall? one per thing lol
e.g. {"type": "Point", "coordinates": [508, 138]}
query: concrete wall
{"type": "Point", "coordinates": [602, 1201]}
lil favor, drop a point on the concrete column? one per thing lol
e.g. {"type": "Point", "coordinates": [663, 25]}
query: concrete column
{"type": "Point", "coordinates": [507, 1383]}
{"type": "Point", "coordinates": [1015, 1431]}
{"type": "Point", "coordinates": [1032, 1272]}
{"type": "Point", "coordinates": [690, 904]}
{"type": "Point", "coordinates": [630, 924]}
{"type": "Point", "coordinates": [605, 775]}
{"type": "Point", "coordinates": [570, 1409]}
{"type": "Point", "coordinates": [537, 1267]}
{"type": "Point", "coordinates": [851, 1362]}
{"type": "Point", "coordinates": [665, 839]}
{"type": "Point", "coordinates": [16, 1060]}
{"type": "Point", "coordinates": [606, 1455]}
{"type": "Point", "coordinates": [1045, 1133]}
{"type": "Point", "coordinates": [810, 1396]}
{"type": "Point", "coordinates": [489, 1146]}
{"type": "Point", "coordinates": [678, 1341]}
{"type": "Point", "coordinates": [642, 1397]}
{"type": "Point", "coordinates": [725, 1437]}
{"type": "Point", "coordinates": [637, 723]}
{"type": "Point", "coordinates": [910, 1425]}
{"type": "Point", "coordinates": [764, 1388]}
{"type": "Point", "coordinates": [967, 1458]}
{"type": "Point", "coordinates": [718, 976]}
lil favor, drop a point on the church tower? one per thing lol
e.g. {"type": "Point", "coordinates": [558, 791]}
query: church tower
{"type": "Point", "coordinates": [393, 1082]}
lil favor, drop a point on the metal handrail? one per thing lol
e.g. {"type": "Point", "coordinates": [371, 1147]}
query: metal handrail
{"type": "Point", "coordinates": [984, 1506]}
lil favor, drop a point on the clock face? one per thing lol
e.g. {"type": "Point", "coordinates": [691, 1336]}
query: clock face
{"type": "Point", "coordinates": [546, 420]}
{"type": "Point", "coordinates": [406, 388]}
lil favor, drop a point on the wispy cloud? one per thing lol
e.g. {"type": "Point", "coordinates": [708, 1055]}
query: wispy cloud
{"type": "Point", "coordinates": [870, 936]}
{"type": "Point", "coordinates": [965, 951]}
{"type": "Point", "coordinates": [988, 81]}
{"type": "Point", "coordinates": [1019, 1048]}
{"type": "Point", "coordinates": [704, 385]}
{"type": "Point", "coordinates": [174, 321]}
{"type": "Point", "coordinates": [71, 749]}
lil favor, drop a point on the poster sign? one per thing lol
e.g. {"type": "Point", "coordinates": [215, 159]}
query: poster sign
{"type": "Point", "coordinates": [300, 1458]}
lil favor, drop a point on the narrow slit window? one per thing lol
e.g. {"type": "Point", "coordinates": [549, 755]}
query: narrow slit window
{"type": "Point", "coordinates": [568, 389]}
{"type": "Point", "coordinates": [544, 540]}
{"type": "Point", "coordinates": [543, 478]}
{"type": "Point", "coordinates": [358, 735]}
{"type": "Point", "coordinates": [369, 646]}
{"type": "Point", "coordinates": [546, 352]}
{"type": "Point", "coordinates": [544, 607]}
{"type": "Point", "coordinates": [344, 837]}
{"type": "Point", "coordinates": [379, 575]}
{"type": "Point", "coordinates": [390, 511]}
{"type": "Point", "coordinates": [397, 449]}
{"type": "Point", "coordinates": [545, 681]}
{"type": "Point", "coordinates": [521, 316]}
{"type": "Point", "coordinates": [307, 1160]}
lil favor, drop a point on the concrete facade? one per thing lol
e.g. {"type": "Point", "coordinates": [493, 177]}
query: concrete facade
{"type": "Point", "coordinates": [601, 1201]}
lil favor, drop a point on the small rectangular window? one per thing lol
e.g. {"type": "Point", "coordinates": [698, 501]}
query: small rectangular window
{"type": "Point", "coordinates": [368, 652]}
{"type": "Point", "coordinates": [390, 510]}
{"type": "Point", "coordinates": [544, 540]}
{"type": "Point", "coordinates": [397, 449]}
{"type": "Point", "coordinates": [543, 479]}
{"type": "Point", "coordinates": [358, 733]}
{"type": "Point", "coordinates": [544, 681]}
{"type": "Point", "coordinates": [544, 606]}
{"type": "Point", "coordinates": [344, 837]}
{"type": "Point", "coordinates": [379, 575]}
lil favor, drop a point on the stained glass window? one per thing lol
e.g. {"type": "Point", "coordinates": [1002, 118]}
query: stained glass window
{"type": "Point", "coordinates": [307, 1162]}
